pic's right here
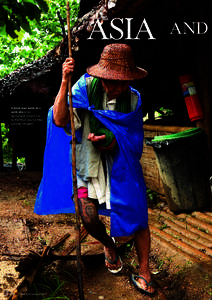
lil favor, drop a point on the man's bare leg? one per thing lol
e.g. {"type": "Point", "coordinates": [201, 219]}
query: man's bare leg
{"type": "Point", "coordinates": [142, 244]}
{"type": "Point", "coordinates": [89, 214]}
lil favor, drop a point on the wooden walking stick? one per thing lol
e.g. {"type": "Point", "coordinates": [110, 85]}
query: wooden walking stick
{"type": "Point", "coordinates": [78, 246]}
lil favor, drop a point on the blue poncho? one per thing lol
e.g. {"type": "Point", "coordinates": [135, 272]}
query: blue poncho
{"type": "Point", "coordinates": [128, 192]}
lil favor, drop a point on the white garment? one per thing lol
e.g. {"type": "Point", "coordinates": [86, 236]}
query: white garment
{"type": "Point", "coordinates": [99, 187]}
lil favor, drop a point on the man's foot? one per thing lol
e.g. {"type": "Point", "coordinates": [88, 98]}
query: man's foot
{"type": "Point", "coordinates": [143, 284]}
{"type": "Point", "coordinates": [112, 260]}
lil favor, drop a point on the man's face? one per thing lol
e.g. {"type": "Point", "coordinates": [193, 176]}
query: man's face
{"type": "Point", "coordinates": [114, 88]}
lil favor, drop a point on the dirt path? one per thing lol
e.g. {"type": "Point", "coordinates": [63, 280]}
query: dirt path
{"type": "Point", "coordinates": [21, 231]}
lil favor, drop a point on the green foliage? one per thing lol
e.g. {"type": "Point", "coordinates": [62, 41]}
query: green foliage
{"type": "Point", "coordinates": [50, 286]}
{"type": "Point", "coordinates": [7, 149]}
{"type": "Point", "coordinates": [43, 36]}
{"type": "Point", "coordinates": [15, 15]}
{"type": "Point", "coordinates": [165, 112]}
{"type": "Point", "coordinates": [152, 195]}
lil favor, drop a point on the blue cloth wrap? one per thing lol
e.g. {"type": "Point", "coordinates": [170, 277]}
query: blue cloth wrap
{"type": "Point", "coordinates": [129, 211]}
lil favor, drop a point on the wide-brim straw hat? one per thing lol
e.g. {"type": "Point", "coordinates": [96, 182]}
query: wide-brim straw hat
{"type": "Point", "coordinates": [116, 63]}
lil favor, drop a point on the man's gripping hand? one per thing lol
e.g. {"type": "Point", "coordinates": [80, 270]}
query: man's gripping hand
{"type": "Point", "coordinates": [68, 68]}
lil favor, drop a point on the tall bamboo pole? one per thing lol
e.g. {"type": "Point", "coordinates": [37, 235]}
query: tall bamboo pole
{"type": "Point", "coordinates": [78, 246]}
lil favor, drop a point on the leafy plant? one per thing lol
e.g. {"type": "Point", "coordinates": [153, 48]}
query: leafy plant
{"type": "Point", "coordinates": [50, 286]}
{"type": "Point", "coordinates": [44, 35]}
{"type": "Point", "coordinates": [165, 112]}
{"type": "Point", "coordinates": [7, 149]}
{"type": "Point", "coordinates": [152, 195]}
{"type": "Point", "coordinates": [16, 15]}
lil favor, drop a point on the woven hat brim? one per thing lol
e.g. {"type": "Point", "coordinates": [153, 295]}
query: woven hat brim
{"type": "Point", "coordinates": [105, 73]}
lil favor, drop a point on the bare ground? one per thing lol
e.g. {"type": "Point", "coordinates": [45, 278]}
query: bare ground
{"type": "Point", "coordinates": [21, 231]}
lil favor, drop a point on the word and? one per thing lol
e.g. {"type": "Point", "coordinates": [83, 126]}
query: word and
{"type": "Point", "coordinates": [195, 28]}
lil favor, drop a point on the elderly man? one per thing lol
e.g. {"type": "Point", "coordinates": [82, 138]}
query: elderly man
{"type": "Point", "coordinates": [108, 121]}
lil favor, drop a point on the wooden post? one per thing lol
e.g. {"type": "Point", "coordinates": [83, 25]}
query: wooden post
{"type": "Point", "coordinates": [78, 245]}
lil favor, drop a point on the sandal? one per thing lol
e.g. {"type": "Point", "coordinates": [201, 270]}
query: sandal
{"type": "Point", "coordinates": [138, 285]}
{"type": "Point", "coordinates": [117, 258]}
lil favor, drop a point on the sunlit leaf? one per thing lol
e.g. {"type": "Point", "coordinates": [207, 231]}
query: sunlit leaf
{"type": "Point", "coordinates": [20, 34]}
{"type": "Point", "coordinates": [3, 31]}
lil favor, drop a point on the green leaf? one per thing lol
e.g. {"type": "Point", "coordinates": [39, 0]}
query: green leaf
{"type": "Point", "coordinates": [33, 12]}
{"type": "Point", "coordinates": [3, 31]}
{"type": "Point", "coordinates": [20, 34]}
{"type": "Point", "coordinates": [11, 26]}
{"type": "Point", "coordinates": [3, 14]}
{"type": "Point", "coordinates": [43, 5]}
{"type": "Point", "coordinates": [25, 25]}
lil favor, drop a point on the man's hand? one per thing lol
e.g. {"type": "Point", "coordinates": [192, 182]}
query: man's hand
{"type": "Point", "coordinates": [68, 68]}
{"type": "Point", "coordinates": [95, 138]}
